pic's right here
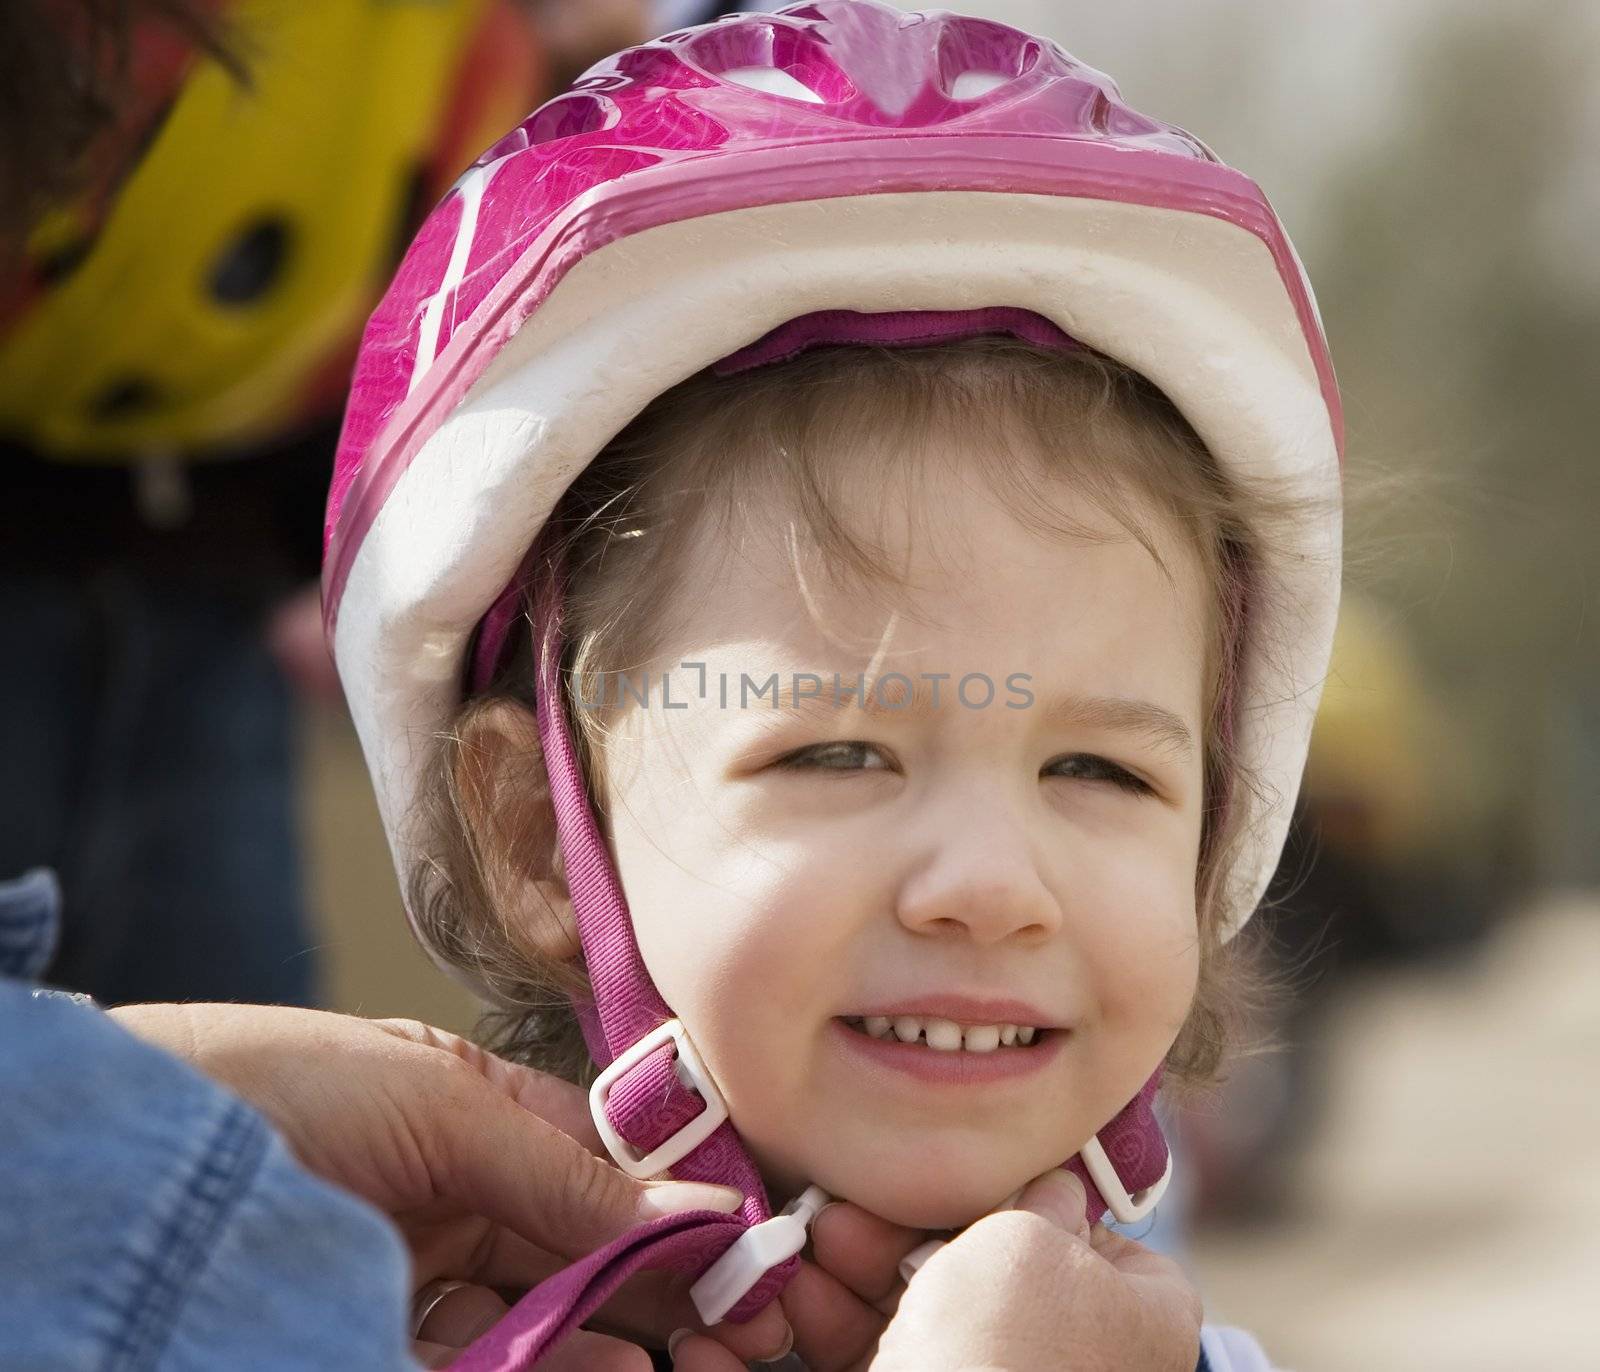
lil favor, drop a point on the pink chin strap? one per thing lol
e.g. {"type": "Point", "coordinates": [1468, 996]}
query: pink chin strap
{"type": "Point", "coordinates": [654, 1103]}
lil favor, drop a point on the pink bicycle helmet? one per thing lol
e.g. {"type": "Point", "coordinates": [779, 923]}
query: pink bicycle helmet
{"type": "Point", "coordinates": [837, 171]}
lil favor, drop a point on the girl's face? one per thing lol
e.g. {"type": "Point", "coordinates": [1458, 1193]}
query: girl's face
{"type": "Point", "coordinates": [799, 874]}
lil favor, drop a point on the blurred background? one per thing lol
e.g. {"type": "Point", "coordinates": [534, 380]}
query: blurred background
{"type": "Point", "coordinates": [1411, 1179]}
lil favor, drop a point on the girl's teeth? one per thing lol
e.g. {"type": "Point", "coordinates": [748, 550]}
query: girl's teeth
{"type": "Point", "coordinates": [983, 1038]}
{"type": "Point", "coordinates": [946, 1035]}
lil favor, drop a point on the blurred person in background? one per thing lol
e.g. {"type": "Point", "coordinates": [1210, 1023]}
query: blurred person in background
{"type": "Point", "coordinates": [199, 203]}
{"type": "Point", "coordinates": [1369, 877]}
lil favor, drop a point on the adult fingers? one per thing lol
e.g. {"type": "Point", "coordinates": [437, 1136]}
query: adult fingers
{"type": "Point", "coordinates": [1159, 1281]}
{"type": "Point", "coordinates": [553, 1100]}
{"type": "Point", "coordinates": [550, 1098]}
{"type": "Point", "coordinates": [581, 1352]}
{"type": "Point", "coordinates": [508, 1165]}
{"type": "Point", "coordinates": [834, 1328]}
{"type": "Point", "coordinates": [1059, 1197]}
{"type": "Point", "coordinates": [585, 1351]}
{"type": "Point", "coordinates": [698, 1353]}
{"type": "Point", "coordinates": [510, 1262]}
{"type": "Point", "coordinates": [765, 1337]}
{"type": "Point", "coordinates": [651, 1304]}
{"type": "Point", "coordinates": [1128, 1255]}
{"type": "Point", "coordinates": [528, 1162]}
{"type": "Point", "coordinates": [460, 1315]}
{"type": "Point", "coordinates": [862, 1251]}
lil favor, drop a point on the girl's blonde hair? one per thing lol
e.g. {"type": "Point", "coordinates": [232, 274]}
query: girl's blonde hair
{"type": "Point", "coordinates": [687, 468]}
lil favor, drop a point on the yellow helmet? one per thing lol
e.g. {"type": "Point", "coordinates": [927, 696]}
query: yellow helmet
{"type": "Point", "coordinates": [1374, 746]}
{"type": "Point", "coordinates": [216, 300]}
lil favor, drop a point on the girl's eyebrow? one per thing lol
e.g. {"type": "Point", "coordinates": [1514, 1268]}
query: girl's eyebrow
{"type": "Point", "coordinates": [1122, 716]}
{"type": "Point", "coordinates": [1116, 714]}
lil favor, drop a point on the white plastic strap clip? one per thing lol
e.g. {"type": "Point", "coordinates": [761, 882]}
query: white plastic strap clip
{"type": "Point", "coordinates": [691, 1071]}
{"type": "Point", "coordinates": [755, 1253]}
{"type": "Point", "coordinates": [1125, 1209]}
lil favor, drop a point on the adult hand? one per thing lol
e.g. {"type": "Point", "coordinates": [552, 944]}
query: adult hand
{"type": "Point", "coordinates": [1035, 1287]}
{"type": "Point", "coordinates": [492, 1172]}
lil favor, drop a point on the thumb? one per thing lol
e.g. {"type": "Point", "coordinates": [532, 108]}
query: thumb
{"type": "Point", "coordinates": [510, 1166]}
{"type": "Point", "coordinates": [1059, 1197]}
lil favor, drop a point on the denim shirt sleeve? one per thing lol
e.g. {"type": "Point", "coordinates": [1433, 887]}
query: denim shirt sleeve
{"type": "Point", "coordinates": [151, 1220]}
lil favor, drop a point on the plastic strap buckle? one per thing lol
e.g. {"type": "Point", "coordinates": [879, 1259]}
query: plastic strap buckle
{"type": "Point", "coordinates": [676, 1146]}
{"type": "Point", "coordinates": [1125, 1209]}
{"type": "Point", "coordinates": [755, 1253]}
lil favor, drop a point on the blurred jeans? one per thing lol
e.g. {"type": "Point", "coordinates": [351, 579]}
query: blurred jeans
{"type": "Point", "coordinates": [147, 744]}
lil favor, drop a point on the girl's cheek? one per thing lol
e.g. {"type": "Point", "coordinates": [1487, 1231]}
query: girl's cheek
{"type": "Point", "coordinates": [1142, 944]}
{"type": "Point", "coordinates": [786, 929]}
{"type": "Point", "coordinates": [741, 952]}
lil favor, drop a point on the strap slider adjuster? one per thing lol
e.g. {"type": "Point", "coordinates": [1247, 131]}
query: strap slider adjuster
{"type": "Point", "coordinates": [755, 1253]}
{"type": "Point", "coordinates": [1125, 1209]}
{"type": "Point", "coordinates": [676, 1146]}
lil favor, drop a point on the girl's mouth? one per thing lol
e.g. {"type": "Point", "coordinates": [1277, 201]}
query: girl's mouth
{"type": "Point", "coordinates": [942, 1052]}
{"type": "Point", "coordinates": [944, 1035]}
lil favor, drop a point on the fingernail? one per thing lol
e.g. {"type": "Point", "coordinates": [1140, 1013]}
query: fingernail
{"type": "Point", "coordinates": [1076, 1202]}
{"type": "Point", "coordinates": [831, 1205]}
{"type": "Point", "coordinates": [676, 1337]}
{"type": "Point", "coordinates": [784, 1347]}
{"type": "Point", "coordinates": [1009, 1203]}
{"type": "Point", "coordinates": [674, 1197]}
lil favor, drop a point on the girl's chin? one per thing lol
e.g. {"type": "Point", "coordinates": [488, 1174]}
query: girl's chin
{"type": "Point", "coordinates": [941, 1211]}
{"type": "Point", "coordinates": [923, 1177]}
{"type": "Point", "coordinates": [930, 1204]}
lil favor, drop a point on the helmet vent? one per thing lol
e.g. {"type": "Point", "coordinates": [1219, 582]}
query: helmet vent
{"type": "Point", "coordinates": [969, 85]}
{"type": "Point", "coordinates": [252, 263]}
{"type": "Point", "coordinates": [777, 59]}
{"type": "Point", "coordinates": [570, 115]}
{"type": "Point", "coordinates": [976, 57]}
{"type": "Point", "coordinates": [773, 80]}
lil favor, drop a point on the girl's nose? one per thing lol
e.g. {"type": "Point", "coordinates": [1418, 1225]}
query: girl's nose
{"type": "Point", "coordinates": [978, 876]}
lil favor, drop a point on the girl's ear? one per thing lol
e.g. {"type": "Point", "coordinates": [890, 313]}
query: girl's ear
{"type": "Point", "coordinates": [503, 797]}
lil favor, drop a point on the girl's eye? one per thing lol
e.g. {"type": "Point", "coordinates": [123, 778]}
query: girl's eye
{"type": "Point", "coordinates": [1090, 767]}
{"type": "Point", "coordinates": [850, 756]}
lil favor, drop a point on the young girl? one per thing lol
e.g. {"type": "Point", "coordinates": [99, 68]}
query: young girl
{"type": "Point", "coordinates": [833, 556]}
